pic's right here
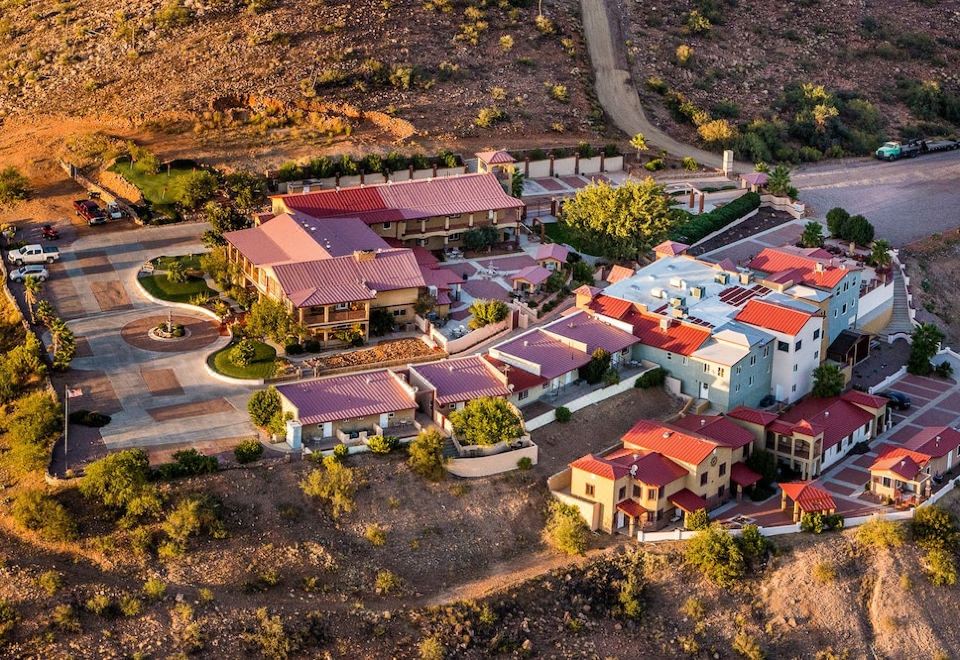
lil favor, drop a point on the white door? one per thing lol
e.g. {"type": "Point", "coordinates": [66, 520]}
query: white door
{"type": "Point", "coordinates": [704, 390]}
{"type": "Point", "coordinates": [384, 420]}
{"type": "Point", "coordinates": [619, 519]}
{"type": "Point", "coordinates": [327, 429]}
{"type": "Point", "coordinates": [779, 393]}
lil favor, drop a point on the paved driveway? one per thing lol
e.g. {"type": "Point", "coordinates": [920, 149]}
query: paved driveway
{"type": "Point", "coordinates": [157, 394]}
{"type": "Point", "coordinates": [905, 200]}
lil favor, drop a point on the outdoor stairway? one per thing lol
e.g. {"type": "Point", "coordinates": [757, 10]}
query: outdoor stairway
{"type": "Point", "coordinates": [900, 321]}
{"type": "Point", "coordinates": [449, 450]}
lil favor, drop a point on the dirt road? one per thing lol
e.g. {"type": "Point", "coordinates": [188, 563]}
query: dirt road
{"type": "Point", "coordinates": [615, 88]}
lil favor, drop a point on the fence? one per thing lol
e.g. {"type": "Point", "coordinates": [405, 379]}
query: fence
{"type": "Point", "coordinates": [105, 194]}
{"type": "Point", "coordinates": [484, 466]}
{"type": "Point", "coordinates": [588, 399]}
{"type": "Point", "coordinates": [570, 165]}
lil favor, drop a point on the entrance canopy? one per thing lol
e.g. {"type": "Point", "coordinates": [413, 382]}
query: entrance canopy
{"type": "Point", "coordinates": [687, 501]}
{"type": "Point", "coordinates": [742, 475]}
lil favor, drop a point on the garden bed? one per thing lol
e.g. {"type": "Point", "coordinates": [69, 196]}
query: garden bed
{"type": "Point", "coordinates": [160, 286]}
{"type": "Point", "coordinates": [387, 351]}
{"type": "Point", "coordinates": [262, 366]}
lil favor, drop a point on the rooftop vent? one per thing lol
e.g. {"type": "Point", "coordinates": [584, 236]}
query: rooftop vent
{"type": "Point", "coordinates": [657, 292]}
{"type": "Point", "coordinates": [819, 267]}
{"type": "Point", "coordinates": [664, 325]}
{"type": "Point", "coordinates": [666, 434]}
{"type": "Point", "coordinates": [678, 283]}
{"type": "Point", "coordinates": [721, 278]}
{"type": "Point", "coordinates": [746, 278]}
{"type": "Point", "coordinates": [703, 422]}
{"type": "Point", "coordinates": [633, 470]}
{"type": "Point", "coordinates": [697, 292]}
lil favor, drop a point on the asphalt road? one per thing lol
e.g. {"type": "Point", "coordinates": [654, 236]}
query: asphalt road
{"type": "Point", "coordinates": [905, 200]}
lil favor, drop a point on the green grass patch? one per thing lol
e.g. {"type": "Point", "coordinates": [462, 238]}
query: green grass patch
{"type": "Point", "coordinates": [189, 261]}
{"type": "Point", "coordinates": [263, 365]}
{"type": "Point", "coordinates": [160, 287]}
{"type": "Point", "coordinates": [163, 189]}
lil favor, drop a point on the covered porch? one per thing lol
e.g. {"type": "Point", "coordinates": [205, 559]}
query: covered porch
{"type": "Point", "coordinates": [743, 477]}
{"type": "Point", "coordinates": [632, 516]}
{"type": "Point", "coordinates": [688, 502]}
{"type": "Point", "coordinates": [806, 498]}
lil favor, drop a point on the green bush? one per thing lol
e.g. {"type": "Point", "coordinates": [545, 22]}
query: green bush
{"type": "Point", "coordinates": [382, 444]}
{"type": "Point", "coordinates": [248, 451]}
{"type": "Point", "coordinates": [426, 455]}
{"type": "Point", "coordinates": [697, 520]}
{"type": "Point", "coordinates": [155, 589]}
{"type": "Point", "coordinates": [486, 421]}
{"type": "Point", "coordinates": [717, 555]}
{"type": "Point", "coordinates": [340, 451]}
{"type": "Point", "coordinates": [334, 483]}
{"type": "Point", "coordinates": [293, 349]}
{"type": "Point", "coordinates": [941, 567]}
{"type": "Point", "coordinates": [37, 511]}
{"type": "Point", "coordinates": [880, 533]}
{"type": "Point", "coordinates": [525, 464]}
{"type": "Point", "coordinates": [817, 523]}
{"type": "Point", "coordinates": [698, 226]}
{"type": "Point", "coordinates": [312, 346]}
{"type": "Point", "coordinates": [653, 378]}
{"type": "Point", "coordinates": [186, 463]}
{"type": "Point", "coordinates": [935, 528]}
{"type": "Point", "coordinates": [88, 418]}
{"type": "Point", "coordinates": [263, 406]}
{"type": "Point", "coordinates": [566, 530]}
{"type": "Point", "coordinates": [563, 414]}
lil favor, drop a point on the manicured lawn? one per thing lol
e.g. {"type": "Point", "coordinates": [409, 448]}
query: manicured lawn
{"type": "Point", "coordinates": [160, 287]}
{"type": "Point", "coordinates": [189, 261]}
{"type": "Point", "coordinates": [262, 366]}
{"type": "Point", "coordinates": [163, 189]}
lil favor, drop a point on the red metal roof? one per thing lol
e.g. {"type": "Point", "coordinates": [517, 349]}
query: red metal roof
{"type": "Point", "coordinates": [836, 417]}
{"type": "Point", "coordinates": [618, 273]}
{"type": "Point", "coordinates": [671, 248]}
{"type": "Point", "coordinates": [461, 379]}
{"type": "Point", "coordinates": [553, 251]}
{"type": "Point", "coordinates": [864, 399]}
{"type": "Point", "coordinates": [347, 397]}
{"type": "Point", "coordinates": [648, 467]}
{"type": "Point", "coordinates": [520, 380]}
{"type": "Point", "coordinates": [936, 441]}
{"type": "Point", "coordinates": [803, 268]}
{"type": "Point", "coordinates": [780, 318]}
{"type": "Point", "coordinates": [532, 275]}
{"type": "Point", "coordinates": [808, 497]}
{"type": "Point", "coordinates": [600, 467]}
{"type": "Point", "coordinates": [495, 157]}
{"type": "Point", "coordinates": [408, 200]}
{"type": "Point", "coordinates": [615, 308]}
{"type": "Point", "coordinates": [553, 356]}
{"type": "Point", "coordinates": [716, 427]}
{"type": "Point", "coordinates": [742, 475]}
{"type": "Point", "coordinates": [631, 507]}
{"type": "Point", "coordinates": [902, 462]}
{"type": "Point", "coordinates": [680, 338]}
{"type": "Point", "coordinates": [348, 279]}
{"type": "Point", "coordinates": [752, 415]}
{"type": "Point", "coordinates": [687, 500]}
{"type": "Point", "coordinates": [669, 441]}
{"type": "Point", "coordinates": [591, 333]}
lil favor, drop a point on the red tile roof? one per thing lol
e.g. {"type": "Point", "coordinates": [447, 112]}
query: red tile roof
{"type": "Point", "coordinates": [864, 399]}
{"type": "Point", "coordinates": [461, 379]}
{"type": "Point", "coordinates": [742, 475]}
{"type": "Point", "coordinates": [752, 415]}
{"type": "Point", "coordinates": [671, 248]}
{"type": "Point", "coordinates": [769, 315]}
{"type": "Point", "coordinates": [687, 500]}
{"type": "Point", "coordinates": [347, 397]}
{"type": "Point", "coordinates": [552, 251]}
{"type": "Point", "coordinates": [586, 290]}
{"type": "Point", "coordinates": [348, 279]}
{"type": "Point", "coordinates": [936, 441]}
{"type": "Point", "coordinates": [532, 274]}
{"type": "Point", "coordinates": [797, 267]}
{"type": "Point", "coordinates": [902, 462]}
{"type": "Point", "coordinates": [669, 441]}
{"type": "Point", "coordinates": [600, 467]}
{"type": "Point", "coordinates": [835, 416]}
{"type": "Point", "coordinates": [618, 273]}
{"type": "Point", "coordinates": [808, 497]}
{"type": "Point", "coordinates": [648, 467]}
{"type": "Point", "coordinates": [631, 507]}
{"type": "Point", "coordinates": [716, 427]}
{"type": "Point", "coordinates": [680, 338]}
{"type": "Point", "coordinates": [408, 200]}
{"type": "Point", "coordinates": [291, 238]}
{"type": "Point", "coordinates": [520, 380]}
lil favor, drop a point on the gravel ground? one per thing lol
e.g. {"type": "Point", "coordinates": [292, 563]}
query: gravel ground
{"type": "Point", "coordinates": [905, 200]}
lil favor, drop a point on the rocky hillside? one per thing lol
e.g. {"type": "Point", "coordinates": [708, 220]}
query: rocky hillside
{"type": "Point", "coordinates": [449, 67]}
{"type": "Point", "coordinates": [727, 73]}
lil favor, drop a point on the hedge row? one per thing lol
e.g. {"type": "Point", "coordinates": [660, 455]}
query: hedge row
{"type": "Point", "coordinates": [698, 226]}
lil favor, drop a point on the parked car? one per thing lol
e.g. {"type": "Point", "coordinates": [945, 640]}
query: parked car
{"type": "Point", "coordinates": [34, 254]}
{"type": "Point", "coordinates": [898, 400]}
{"type": "Point", "coordinates": [115, 212]}
{"type": "Point", "coordinates": [90, 211]}
{"type": "Point", "coordinates": [22, 273]}
{"type": "Point", "coordinates": [50, 233]}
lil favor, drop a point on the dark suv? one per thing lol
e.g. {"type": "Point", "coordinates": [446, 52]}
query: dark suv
{"type": "Point", "coordinates": [898, 400]}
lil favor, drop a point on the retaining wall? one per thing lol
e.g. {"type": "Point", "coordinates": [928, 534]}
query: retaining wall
{"type": "Point", "coordinates": [588, 399]}
{"type": "Point", "coordinates": [484, 466]}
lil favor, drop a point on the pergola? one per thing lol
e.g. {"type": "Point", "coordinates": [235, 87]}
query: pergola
{"type": "Point", "coordinates": [807, 498]}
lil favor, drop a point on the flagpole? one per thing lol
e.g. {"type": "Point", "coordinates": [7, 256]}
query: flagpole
{"type": "Point", "coordinates": [66, 424]}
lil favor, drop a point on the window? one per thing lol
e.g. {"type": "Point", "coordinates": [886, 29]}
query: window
{"type": "Point", "coordinates": [669, 356]}
{"type": "Point", "coordinates": [706, 368]}
{"type": "Point", "coordinates": [836, 313]}
{"type": "Point", "coordinates": [797, 346]}
{"type": "Point", "coordinates": [523, 395]}
{"type": "Point", "coordinates": [794, 368]}
{"type": "Point", "coordinates": [723, 469]}
{"type": "Point", "coordinates": [637, 491]}
{"type": "Point", "coordinates": [816, 354]}
{"type": "Point", "coordinates": [783, 346]}
{"type": "Point", "coordinates": [794, 388]}
{"type": "Point", "coordinates": [455, 217]}
{"type": "Point", "coordinates": [386, 225]}
{"type": "Point", "coordinates": [816, 333]}
{"type": "Point", "coordinates": [886, 481]}
{"type": "Point", "coordinates": [703, 479]}
{"type": "Point", "coordinates": [589, 490]}
{"type": "Point", "coordinates": [683, 360]}
{"type": "Point", "coordinates": [622, 494]}
{"type": "Point", "coordinates": [844, 310]}
{"type": "Point", "coordinates": [341, 306]}
{"type": "Point", "coordinates": [400, 312]}
{"type": "Point", "coordinates": [721, 371]}
{"type": "Point", "coordinates": [739, 370]}
{"type": "Point", "coordinates": [720, 491]}
{"type": "Point", "coordinates": [749, 381]}
{"type": "Point", "coordinates": [737, 388]}
{"type": "Point", "coordinates": [753, 360]}
{"type": "Point", "coordinates": [766, 351]}
{"type": "Point", "coordinates": [846, 285]}
{"type": "Point", "coordinates": [652, 493]}
{"type": "Point", "coordinates": [455, 236]}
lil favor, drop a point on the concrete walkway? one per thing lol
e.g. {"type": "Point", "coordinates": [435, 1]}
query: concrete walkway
{"type": "Point", "coordinates": [900, 321]}
{"type": "Point", "coordinates": [616, 90]}
{"type": "Point", "coordinates": [154, 397]}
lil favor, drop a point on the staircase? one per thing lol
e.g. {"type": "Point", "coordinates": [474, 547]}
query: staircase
{"type": "Point", "coordinates": [449, 449]}
{"type": "Point", "coordinates": [900, 320]}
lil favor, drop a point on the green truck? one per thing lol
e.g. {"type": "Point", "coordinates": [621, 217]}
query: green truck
{"type": "Point", "coordinates": [914, 148]}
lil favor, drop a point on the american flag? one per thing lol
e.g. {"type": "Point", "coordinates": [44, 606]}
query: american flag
{"type": "Point", "coordinates": [73, 393]}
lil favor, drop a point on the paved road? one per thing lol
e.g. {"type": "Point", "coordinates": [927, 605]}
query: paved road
{"type": "Point", "coordinates": [905, 200]}
{"type": "Point", "coordinates": [615, 88]}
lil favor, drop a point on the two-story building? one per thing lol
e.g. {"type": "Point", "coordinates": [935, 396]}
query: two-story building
{"type": "Point", "coordinates": [907, 474]}
{"type": "Point", "coordinates": [431, 213]}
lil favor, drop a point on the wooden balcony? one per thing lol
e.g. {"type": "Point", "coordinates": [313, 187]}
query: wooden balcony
{"type": "Point", "coordinates": [347, 315]}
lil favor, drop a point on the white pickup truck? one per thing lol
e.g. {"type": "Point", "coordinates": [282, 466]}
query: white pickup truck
{"type": "Point", "coordinates": [34, 254]}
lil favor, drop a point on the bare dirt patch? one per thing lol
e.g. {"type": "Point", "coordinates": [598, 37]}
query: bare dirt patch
{"type": "Point", "coordinates": [161, 382]}
{"type": "Point", "coordinates": [933, 265]}
{"type": "Point", "coordinates": [395, 351]}
{"type": "Point", "coordinates": [194, 409]}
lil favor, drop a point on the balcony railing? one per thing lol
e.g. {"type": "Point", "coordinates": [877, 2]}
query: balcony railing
{"type": "Point", "coordinates": [348, 315]}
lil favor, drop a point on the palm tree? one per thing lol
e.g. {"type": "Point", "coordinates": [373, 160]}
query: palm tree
{"type": "Point", "coordinates": [639, 142]}
{"type": "Point", "coordinates": [778, 181]}
{"type": "Point", "coordinates": [32, 287]}
{"type": "Point", "coordinates": [812, 235]}
{"type": "Point", "coordinates": [880, 255]}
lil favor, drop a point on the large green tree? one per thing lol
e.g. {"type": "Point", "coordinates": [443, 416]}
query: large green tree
{"type": "Point", "coordinates": [622, 222]}
{"type": "Point", "coordinates": [271, 319]}
{"type": "Point", "coordinates": [426, 455]}
{"type": "Point", "coordinates": [486, 421]}
{"type": "Point", "coordinates": [827, 380]}
{"type": "Point", "coordinates": [924, 345]}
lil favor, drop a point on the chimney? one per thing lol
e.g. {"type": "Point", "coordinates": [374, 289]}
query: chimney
{"type": "Point", "coordinates": [664, 325]}
{"type": "Point", "coordinates": [364, 255]}
{"type": "Point", "coordinates": [826, 413]}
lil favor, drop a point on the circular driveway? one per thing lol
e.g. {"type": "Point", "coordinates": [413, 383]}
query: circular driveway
{"type": "Point", "coordinates": [201, 332]}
